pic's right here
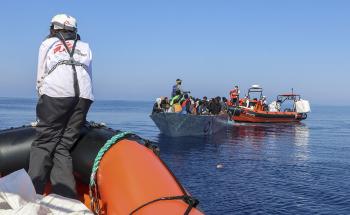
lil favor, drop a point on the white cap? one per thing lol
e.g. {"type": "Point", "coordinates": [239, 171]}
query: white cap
{"type": "Point", "coordinates": [64, 21]}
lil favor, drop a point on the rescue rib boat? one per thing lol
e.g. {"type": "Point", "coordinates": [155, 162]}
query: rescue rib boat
{"type": "Point", "coordinates": [255, 110]}
{"type": "Point", "coordinates": [128, 175]}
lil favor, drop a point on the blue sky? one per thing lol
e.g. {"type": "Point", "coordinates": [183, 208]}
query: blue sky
{"type": "Point", "coordinates": [141, 47]}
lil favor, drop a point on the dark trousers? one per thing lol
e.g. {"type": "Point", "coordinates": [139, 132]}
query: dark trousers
{"type": "Point", "coordinates": [60, 121]}
{"type": "Point", "coordinates": [234, 101]}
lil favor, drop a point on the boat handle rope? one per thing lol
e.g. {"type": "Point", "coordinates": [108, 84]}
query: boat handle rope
{"type": "Point", "coordinates": [191, 201]}
{"type": "Point", "coordinates": [93, 189]}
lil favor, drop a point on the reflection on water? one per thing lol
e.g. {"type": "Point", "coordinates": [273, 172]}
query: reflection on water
{"type": "Point", "coordinates": [258, 133]}
{"type": "Point", "coordinates": [301, 140]}
{"type": "Point", "coordinates": [272, 136]}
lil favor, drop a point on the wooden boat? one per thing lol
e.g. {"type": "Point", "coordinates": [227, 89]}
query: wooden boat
{"type": "Point", "coordinates": [254, 110]}
{"type": "Point", "coordinates": [128, 175]}
{"type": "Point", "coordinates": [177, 124]}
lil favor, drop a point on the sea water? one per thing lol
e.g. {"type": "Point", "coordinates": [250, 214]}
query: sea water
{"type": "Point", "coordinates": [301, 168]}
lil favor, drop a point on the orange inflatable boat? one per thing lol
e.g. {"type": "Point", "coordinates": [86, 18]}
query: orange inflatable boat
{"type": "Point", "coordinates": [127, 176]}
{"type": "Point", "coordinates": [257, 111]}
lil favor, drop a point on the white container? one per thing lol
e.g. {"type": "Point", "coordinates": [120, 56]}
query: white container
{"type": "Point", "coordinates": [302, 106]}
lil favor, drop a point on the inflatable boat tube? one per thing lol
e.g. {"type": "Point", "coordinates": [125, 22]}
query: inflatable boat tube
{"type": "Point", "coordinates": [15, 146]}
{"type": "Point", "coordinates": [131, 178]}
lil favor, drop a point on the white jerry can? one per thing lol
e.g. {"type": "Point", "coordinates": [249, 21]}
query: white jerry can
{"type": "Point", "coordinates": [302, 106]}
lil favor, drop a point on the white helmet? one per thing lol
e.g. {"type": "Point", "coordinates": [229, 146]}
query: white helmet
{"type": "Point", "coordinates": [64, 21]}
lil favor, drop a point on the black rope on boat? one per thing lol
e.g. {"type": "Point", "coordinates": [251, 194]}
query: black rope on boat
{"type": "Point", "coordinates": [192, 202]}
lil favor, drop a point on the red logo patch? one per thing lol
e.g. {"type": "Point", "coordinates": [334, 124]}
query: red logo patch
{"type": "Point", "coordinates": [59, 47]}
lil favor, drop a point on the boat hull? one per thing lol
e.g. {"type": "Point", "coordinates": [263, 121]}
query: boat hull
{"type": "Point", "coordinates": [176, 125]}
{"type": "Point", "coordinates": [246, 115]}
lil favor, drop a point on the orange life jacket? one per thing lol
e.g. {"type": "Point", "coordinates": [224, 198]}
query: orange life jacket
{"type": "Point", "coordinates": [234, 93]}
{"type": "Point", "coordinates": [184, 103]}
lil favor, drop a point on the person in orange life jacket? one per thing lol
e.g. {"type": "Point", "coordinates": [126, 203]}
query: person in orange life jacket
{"type": "Point", "coordinates": [64, 87]}
{"type": "Point", "coordinates": [234, 96]}
{"type": "Point", "coordinates": [186, 105]}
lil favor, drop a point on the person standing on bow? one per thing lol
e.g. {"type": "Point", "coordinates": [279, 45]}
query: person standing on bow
{"type": "Point", "coordinates": [176, 88]}
{"type": "Point", "coordinates": [64, 86]}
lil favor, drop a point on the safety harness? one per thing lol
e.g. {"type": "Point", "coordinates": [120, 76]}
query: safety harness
{"type": "Point", "coordinates": [93, 188]}
{"type": "Point", "coordinates": [72, 62]}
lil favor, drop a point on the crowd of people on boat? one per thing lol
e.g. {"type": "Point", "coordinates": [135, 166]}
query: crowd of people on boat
{"type": "Point", "coordinates": [186, 104]}
{"type": "Point", "coordinates": [181, 102]}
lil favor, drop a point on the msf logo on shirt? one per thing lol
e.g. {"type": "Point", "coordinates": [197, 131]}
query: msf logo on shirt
{"type": "Point", "coordinates": [59, 47]}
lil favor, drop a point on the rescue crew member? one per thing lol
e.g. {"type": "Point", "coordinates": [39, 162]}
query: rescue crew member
{"type": "Point", "coordinates": [234, 96]}
{"type": "Point", "coordinates": [65, 88]}
{"type": "Point", "coordinates": [264, 103]}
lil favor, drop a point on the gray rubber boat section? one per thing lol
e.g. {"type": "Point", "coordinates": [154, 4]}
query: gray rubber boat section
{"type": "Point", "coordinates": [177, 125]}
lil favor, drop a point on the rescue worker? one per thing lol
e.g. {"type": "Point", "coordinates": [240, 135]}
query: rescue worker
{"type": "Point", "coordinates": [264, 103]}
{"type": "Point", "coordinates": [234, 96]}
{"type": "Point", "coordinates": [65, 93]}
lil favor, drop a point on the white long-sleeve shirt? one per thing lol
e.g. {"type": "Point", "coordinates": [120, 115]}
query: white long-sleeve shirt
{"type": "Point", "coordinates": [60, 82]}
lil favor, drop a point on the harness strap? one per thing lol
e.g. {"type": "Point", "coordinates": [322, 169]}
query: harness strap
{"type": "Point", "coordinates": [68, 62]}
{"type": "Point", "coordinates": [72, 62]}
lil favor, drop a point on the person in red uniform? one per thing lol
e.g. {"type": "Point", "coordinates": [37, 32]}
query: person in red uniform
{"type": "Point", "coordinates": [234, 96]}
